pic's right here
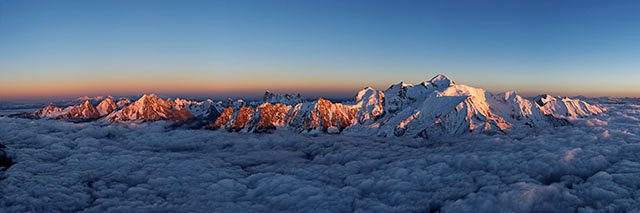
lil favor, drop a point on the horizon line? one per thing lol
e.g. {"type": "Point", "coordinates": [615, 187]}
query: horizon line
{"type": "Point", "coordinates": [250, 95]}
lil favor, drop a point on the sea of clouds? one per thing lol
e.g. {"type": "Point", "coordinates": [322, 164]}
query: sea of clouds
{"type": "Point", "coordinates": [592, 166]}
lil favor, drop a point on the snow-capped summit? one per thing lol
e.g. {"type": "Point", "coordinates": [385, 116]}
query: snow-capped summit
{"type": "Point", "coordinates": [441, 81]}
{"type": "Point", "coordinates": [151, 108]}
{"type": "Point", "coordinates": [50, 111]}
{"type": "Point", "coordinates": [369, 101]}
{"type": "Point", "coordinates": [148, 98]}
{"type": "Point", "coordinates": [107, 106]}
{"type": "Point", "coordinates": [86, 110]}
{"type": "Point", "coordinates": [567, 107]}
{"type": "Point", "coordinates": [82, 111]}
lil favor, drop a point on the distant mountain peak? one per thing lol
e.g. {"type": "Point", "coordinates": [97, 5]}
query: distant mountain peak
{"type": "Point", "coordinates": [148, 96]}
{"type": "Point", "coordinates": [85, 110]}
{"type": "Point", "coordinates": [95, 98]}
{"type": "Point", "coordinates": [151, 108]}
{"type": "Point", "coordinates": [270, 97]}
{"type": "Point", "coordinates": [441, 81]}
{"type": "Point", "coordinates": [107, 106]}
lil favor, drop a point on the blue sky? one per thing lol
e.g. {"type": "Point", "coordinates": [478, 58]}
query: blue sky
{"type": "Point", "coordinates": [333, 48]}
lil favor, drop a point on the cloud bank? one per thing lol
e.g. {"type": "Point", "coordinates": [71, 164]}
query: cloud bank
{"type": "Point", "coordinates": [592, 166]}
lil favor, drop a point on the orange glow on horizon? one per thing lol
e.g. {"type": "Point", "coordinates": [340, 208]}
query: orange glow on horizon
{"type": "Point", "coordinates": [255, 86]}
{"type": "Point", "coordinates": [78, 87]}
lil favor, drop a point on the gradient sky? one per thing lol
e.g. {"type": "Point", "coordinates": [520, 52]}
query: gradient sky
{"type": "Point", "coordinates": [324, 47]}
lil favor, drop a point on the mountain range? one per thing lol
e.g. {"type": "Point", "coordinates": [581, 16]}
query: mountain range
{"type": "Point", "coordinates": [438, 107]}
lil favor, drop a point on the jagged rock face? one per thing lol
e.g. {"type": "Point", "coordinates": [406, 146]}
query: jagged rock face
{"type": "Point", "coordinates": [122, 103]}
{"type": "Point", "coordinates": [324, 115]}
{"type": "Point", "coordinates": [241, 119]}
{"type": "Point", "coordinates": [83, 111]}
{"type": "Point", "coordinates": [320, 115]}
{"type": "Point", "coordinates": [223, 119]}
{"type": "Point", "coordinates": [272, 116]}
{"type": "Point", "coordinates": [332, 115]}
{"type": "Point", "coordinates": [151, 108]}
{"type": "Point", "coordinates": [106, 106]}
{"type": "Point", "coordinates": [49, 111]}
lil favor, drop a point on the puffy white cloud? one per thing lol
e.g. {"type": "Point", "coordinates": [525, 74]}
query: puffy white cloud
{"type": "Point", "coordinates": [591, 166]}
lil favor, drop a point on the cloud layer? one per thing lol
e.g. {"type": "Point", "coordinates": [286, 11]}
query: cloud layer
{"type": "Point", "coordinates": [593, 165]}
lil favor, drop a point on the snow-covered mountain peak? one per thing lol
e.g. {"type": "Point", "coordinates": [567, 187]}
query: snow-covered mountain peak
{"type": "Point", "coordinates": [107, 106]}
{"type": "Point", "coordinates": [370, 103]}
{"type": "Point", "coordinates": [147, 99]}
{"type": "Point", "coordinates": [566, 107]}
{"type": "Point", "coordinates": [441, 81]}
{"type": "Point", "coordinates": [366, 92]}
{"type": "Point", "coordinates": [82, 111]}
{"type": "Point", "coordinates": [148, 96]}
{"type": "Point", "coordinates": [151, 108]}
